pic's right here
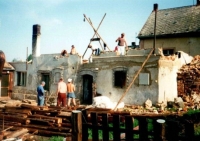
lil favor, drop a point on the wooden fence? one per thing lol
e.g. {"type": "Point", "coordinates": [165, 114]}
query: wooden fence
{"type": "Point", "coordinates": [126, 127]}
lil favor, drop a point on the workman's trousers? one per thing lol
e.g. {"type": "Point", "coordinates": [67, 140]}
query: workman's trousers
{"type": "Point", "coordinates": [40, 100]}
{"type": "Point", "coordinates": [121, 50]}
{"type": "Point", "coordinates": [61, 99]}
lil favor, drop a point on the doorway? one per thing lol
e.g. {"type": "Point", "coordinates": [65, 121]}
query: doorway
{"type": "Point", "coordinates": [5, 85]}
{"type": "Point", "coordinates": [46, 79]}
{"type": "Point", "coordinates": [87, 89]}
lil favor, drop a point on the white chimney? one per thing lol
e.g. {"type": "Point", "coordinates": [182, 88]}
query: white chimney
{"type": "Point", "coordinates": [36, 41]}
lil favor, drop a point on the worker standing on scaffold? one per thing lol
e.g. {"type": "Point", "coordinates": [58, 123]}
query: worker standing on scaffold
{"type": "Point", "coordinates": [121, 44]}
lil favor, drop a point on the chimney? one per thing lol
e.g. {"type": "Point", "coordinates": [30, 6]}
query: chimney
{"type": "Point", "coordinates": [36, 40]}
{"type": "Point", "coordinates": [133, 44]}
{"type": "Point", "coordinates": [198, 2]}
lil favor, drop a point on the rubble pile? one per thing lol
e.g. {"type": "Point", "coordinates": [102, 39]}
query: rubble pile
{"type": "Point", "coordinates": [189, 78]}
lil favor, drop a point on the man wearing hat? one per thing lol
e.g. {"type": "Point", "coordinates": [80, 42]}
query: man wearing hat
{"type": "Point", "coordinates": [121, 44]}
{"type": "Point", "coordinates": [61, 93]}
{"type": "Point", "coordinates": [70, 93]}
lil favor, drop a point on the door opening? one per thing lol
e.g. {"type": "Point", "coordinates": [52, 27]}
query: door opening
{"type": "Point", "coordinates": [87, 89]}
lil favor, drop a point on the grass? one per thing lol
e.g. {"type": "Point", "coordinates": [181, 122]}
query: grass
{"type": "Point", "coordinates": [135, 124]}
{"type": "Point", "coordinates": [53, 138]}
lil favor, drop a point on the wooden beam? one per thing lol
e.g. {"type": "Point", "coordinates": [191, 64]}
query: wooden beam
{"type": "Point", "coordinates": [15, 119]}
{"type": "Point", "coordinates": [16, 133]}
{"type": "Point", "coordinates": [42, 117]}
{"type": "Point", "coordinates": [94, 32]}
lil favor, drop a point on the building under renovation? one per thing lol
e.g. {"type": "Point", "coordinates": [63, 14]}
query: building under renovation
{"type": "Point", "coordinates": [149, 76]}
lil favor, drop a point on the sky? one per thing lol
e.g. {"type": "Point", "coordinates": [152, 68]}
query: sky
{"type": "Point", "coordinates": [62, 23]}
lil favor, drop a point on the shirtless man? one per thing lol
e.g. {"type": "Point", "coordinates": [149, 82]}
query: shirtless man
{"type": "Point", "coordinates": [61, 93]}
{"type": "Point", "coordinates": [121, 44]}
{"type": "Point", "coordinates": [73, 50]}
{"type": "Point", "coordinates": [70, 93]}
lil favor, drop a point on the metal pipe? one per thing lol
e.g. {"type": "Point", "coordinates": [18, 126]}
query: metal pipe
{"type": "Point", "coordinates": [155, 8]}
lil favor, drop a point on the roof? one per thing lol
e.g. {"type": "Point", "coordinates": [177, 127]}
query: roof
{"type": "Point", "coordinates": [7, 66]}
{"type": "Point", "coordinates": [173, 21]}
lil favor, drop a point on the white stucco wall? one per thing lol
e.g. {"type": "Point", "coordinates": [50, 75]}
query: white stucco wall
{"type": "Point", "coordinates": [46, 63]}
{"type": "Point", "coordinates": [137, 94]}
{"type": "Point", "coordinates": [167, 80]}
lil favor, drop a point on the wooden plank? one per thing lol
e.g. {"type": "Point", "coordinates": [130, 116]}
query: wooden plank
{"type": "Point", "coordinates": [189, 130]}
{"type": "Point", "coordinates": [43, 117]}
{"type": "Point", "coordinates": [49, 128]}
{"type": "Point", "coordinates": [46, 112]}
{"type": "Point", "coordinates": [143, 129]}
{"type": "Point", "coordinates": [32, 107]}
{"type": "Point", "coordinates": [65, 114]}
{"type": "Point", "coordinates": [66, 124]}
{"type": "Point", "coordinates": [17, 110]}
{"type": "Point", "coordinates": [16, 114]}
{"type": "Point", "coordinates": [16, 133]}
{"type": "Point", "coordinates": [95, 135]}
{"type": "Point", "coordinates": [76, 125]}
{"type": "Point", "coordinates": [105, 127]}
{"type": "Point", "coordinates": [15, 119]}
{"type": "Point", "coordinates": [41, 121]}
{"type": "Point", "coordinates": [129, 128]}
{"type": "Point", "coordinates": [116, 127]}
{"type": "Point", "coordinates": [44, 132]}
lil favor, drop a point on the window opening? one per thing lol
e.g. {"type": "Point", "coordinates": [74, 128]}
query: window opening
{"type": "Point", "coordinates": [21, 78]}
{"type": "Point", "coordinates": [120, 79]}
{"type": "Point", "coordinates": [168, 52]}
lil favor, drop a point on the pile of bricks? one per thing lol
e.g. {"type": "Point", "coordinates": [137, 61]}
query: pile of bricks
{"type": "Point", "coordinates": [188, 78]}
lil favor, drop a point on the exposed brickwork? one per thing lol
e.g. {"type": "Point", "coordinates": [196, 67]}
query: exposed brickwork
{"type": "Point", "coordinates": [189, 78]}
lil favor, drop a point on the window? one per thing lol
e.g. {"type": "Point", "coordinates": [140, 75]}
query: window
{"type": "Point", "coordinates": [168, 52]}
{"type": "Point", "coordinates": [120, 79]}
{"type": "Point", "coordinates": [21, 78]}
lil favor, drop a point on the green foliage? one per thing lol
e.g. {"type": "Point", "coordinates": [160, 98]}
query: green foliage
{"type": "Point", "coordinates": [53, 138]}
{"type": "Point", "coordinates": [29, 57]}
{"type": "Point", "coordinates": [191, 111]}
{"type": "Point", "coordinates": [56, 138]}
{"type": "Point", "coordinates": [197, 131]}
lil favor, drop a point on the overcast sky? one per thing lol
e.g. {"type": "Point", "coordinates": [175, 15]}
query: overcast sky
{"type": "Point", "coordinates": [62, 23]}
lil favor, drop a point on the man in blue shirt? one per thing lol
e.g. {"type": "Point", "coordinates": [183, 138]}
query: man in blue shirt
{"type": "Point", "coordinates": [40, 94]}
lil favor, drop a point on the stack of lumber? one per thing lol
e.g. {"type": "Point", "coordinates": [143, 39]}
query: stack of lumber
{"type": "Point", "coordinates": [20, 118]}
{"type": "Point", "coordinates": [189, 77]}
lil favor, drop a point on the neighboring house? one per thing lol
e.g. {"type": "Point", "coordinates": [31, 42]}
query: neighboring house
{"type": "Point", "coordinates": [7, 80]}
{"type": "Point", "coordinates": [177, 29]}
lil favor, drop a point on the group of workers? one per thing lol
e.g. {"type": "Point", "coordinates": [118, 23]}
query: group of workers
{"type": "Point", "coordinates": [119, 49]}
{"type": "Point", "coordinates": [65, 93]}
{"type": "Point", "coordinates": [73, 51]}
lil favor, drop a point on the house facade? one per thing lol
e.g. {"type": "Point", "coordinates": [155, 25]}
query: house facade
{"type": "Point", "coordinates": [110, 75]}
{"type": "Point", "coordinates": [177, 29]}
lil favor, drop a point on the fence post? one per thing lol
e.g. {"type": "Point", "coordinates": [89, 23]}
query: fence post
{"type": "Point", "coordinates": [76, 125]}
{"type": "Point", "coordinates": [189, 130]}
{"type": "Point", "coordinates": [159, 128]}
